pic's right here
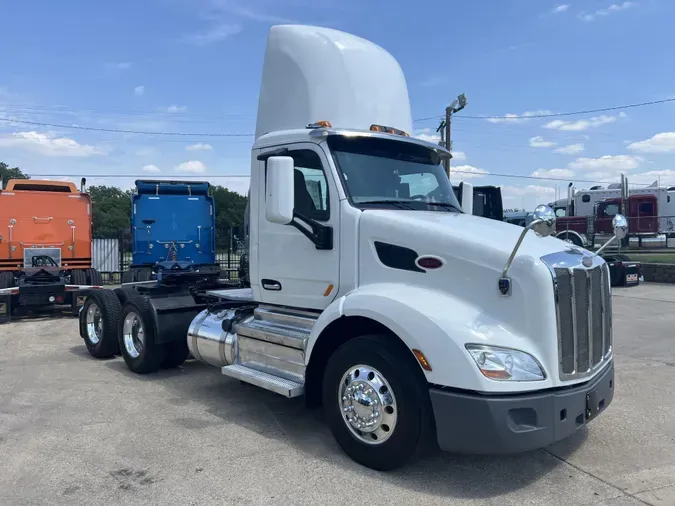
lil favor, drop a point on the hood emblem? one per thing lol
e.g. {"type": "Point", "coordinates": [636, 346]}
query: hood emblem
{"type": "Point", "coordinates": [587, 261]}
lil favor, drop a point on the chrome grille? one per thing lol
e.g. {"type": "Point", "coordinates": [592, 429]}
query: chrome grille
{"type": "Point", "coordinates": [584, 318]}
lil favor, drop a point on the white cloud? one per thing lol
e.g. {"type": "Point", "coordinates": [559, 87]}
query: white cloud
{"type": "Point", "coordinates": [49, 144]}
{"type": "Point", "coordinates": [215, 34]}
{"type": "Point", "coordinates": [527, 197]}
{"type": "Point", "coordinates": [429, 135]}
{"type": "Point", "coordinates": [200, 146]}
{"type": "Point", "coordinates": [665, 176]}
{"type": "Point", "coordinates": [590, 16]}
{"type": "Point", "coordinates": [139, 90]}
{"type": "Point", "coordinates": [539, 142]}
{"type": "Point", "coordinates": [467, 171]}
{"type": "Point", "coordinates": [571, 149]}
{"type": "Point", "coordinates": [659, 143]}
{"type": "Point", "coordinates": [560, 8]}
{"type": "Point", "coordinates": [582, 124]}
{"type": "Point", "coordinates": [151, 168]}
{"type": "Point", "coordinates": [515, 118]}
{"type": "Point", "coordinates": [607, 162]}
{"type": "Point", "coordinates": [192, 166]}
{"type": "Point", "coordinates": [176, 108]}
{"type": "Point", "coordinates": [554, 173]}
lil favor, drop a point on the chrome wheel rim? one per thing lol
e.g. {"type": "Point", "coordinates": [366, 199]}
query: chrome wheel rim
{"type": "Point", "coordinates": [94, 324]}
{"type": "Point", "coordinates": [133, 334]}
{"type": "Point", "coordinates": [367, 404]}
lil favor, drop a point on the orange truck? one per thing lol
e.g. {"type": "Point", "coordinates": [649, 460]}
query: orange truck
{"type": "Point", "coordinates": [45, 246]}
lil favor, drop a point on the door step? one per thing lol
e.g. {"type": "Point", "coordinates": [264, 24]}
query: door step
{"type": "Point", "coordinates": [275, 384]}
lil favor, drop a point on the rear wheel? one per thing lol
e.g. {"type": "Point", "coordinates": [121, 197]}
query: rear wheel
{"type": "Point", "coordinates": [99, 323]}
{"type": "Point", "coordinates": [94, 277]}
{"type": "Point", "coordinates": [128, 277]}
{"type": "Point", "coordinates": [376, 402]}
{"type": "Point", "coordinates": [137, 336]}
{"type": "Point", "coordinates": [6, 279]}
{"type": "Point", "coordinates": [143, 274]}
{"type": "Point", "coordinates": [78, 277]}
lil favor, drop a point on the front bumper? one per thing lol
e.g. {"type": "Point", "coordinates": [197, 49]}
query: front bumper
{"type": "Point", "coordinates": [491, 424]}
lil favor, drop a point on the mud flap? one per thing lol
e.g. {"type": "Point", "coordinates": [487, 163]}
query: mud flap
{"type": "Point", "coordinates": [5, 308]}
{"type": "Point", "coordinates": [77, 302]}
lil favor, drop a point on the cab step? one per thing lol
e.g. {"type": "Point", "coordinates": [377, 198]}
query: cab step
{"type": "Point", "coordinates": [275, 384]}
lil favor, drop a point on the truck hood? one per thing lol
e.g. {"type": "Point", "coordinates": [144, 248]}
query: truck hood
{"type": "Point", "coordinates": [470, 237]}
{"type": "Point", "coordinates": [465, 289]}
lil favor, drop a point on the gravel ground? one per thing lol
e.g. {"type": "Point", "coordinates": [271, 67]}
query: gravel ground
{"type": "Point", "coordinates": [74, 430]}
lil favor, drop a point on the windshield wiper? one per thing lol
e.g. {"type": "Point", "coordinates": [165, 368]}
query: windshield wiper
{"type": "Point", "coordinates": [400, 203]}
{"type": "Point", "coordinates": [447, 205]}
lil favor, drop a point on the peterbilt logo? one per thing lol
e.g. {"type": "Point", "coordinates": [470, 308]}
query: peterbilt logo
{"type": "Point", "coordinates": [587, 261]}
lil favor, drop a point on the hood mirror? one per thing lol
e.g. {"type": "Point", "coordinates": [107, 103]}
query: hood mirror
{"type": "Point", "coordinates": [543, 224]}
{"type": "Point", "coordinates": [620, 224]}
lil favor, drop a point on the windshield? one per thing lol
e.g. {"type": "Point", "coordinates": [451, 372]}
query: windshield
{"type": "Point", "coordinates": [386, 173]}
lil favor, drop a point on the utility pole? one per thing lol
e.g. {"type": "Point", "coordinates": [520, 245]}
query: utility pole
{"type": "Point", "coordinates": [457, 105]}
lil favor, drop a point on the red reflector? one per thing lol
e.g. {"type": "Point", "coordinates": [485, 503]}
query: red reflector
{"type": "Point", "coordinates": [618, 264]}
{"type": "Point", "coordinates": [429, 262]}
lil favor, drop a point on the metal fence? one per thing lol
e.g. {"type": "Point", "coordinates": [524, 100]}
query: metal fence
{"type": "Point", "coordinates": [112, 257]}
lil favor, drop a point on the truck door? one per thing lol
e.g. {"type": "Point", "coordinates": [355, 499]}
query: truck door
{"type": "Point", "coordinates": [604, 215]}
{"type": "Point", "coordinates": [291, 271]}
{"type": "Point", "coordinates": [643, 217]}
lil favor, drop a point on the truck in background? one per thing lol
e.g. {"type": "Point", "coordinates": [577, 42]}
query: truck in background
{"type": "Point", "coordinates": [380, 297]}
{"type": "Point", "coordinates": [586, 215]}
{"type": "Point", "coordinates": [45, 245]}
{"type": "Point", "coordinates": [172, 223]}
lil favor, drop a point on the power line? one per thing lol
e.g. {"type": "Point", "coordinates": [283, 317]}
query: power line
{"type": "Point", "coordinates": [119, 131]}
{"type": "Point", "coordinates": [544, 178]}
{"type": "Point", "coordinates": [198, 134]}
{"type": "Point", "coordinates": [559, 114]}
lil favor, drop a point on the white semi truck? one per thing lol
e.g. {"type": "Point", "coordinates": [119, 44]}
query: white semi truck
{"type": "Point", "coordinates": [371, 292]}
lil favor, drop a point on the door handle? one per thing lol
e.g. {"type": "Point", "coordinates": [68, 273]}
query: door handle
{"type": "Point", "coordinates": [271, 284]}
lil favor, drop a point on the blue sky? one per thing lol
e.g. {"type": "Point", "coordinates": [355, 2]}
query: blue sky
{"type": "Point", "coordinates": [194, 66]}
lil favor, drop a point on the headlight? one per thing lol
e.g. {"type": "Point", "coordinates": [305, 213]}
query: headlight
{"type": "Point", "coordinates": [505, 364]}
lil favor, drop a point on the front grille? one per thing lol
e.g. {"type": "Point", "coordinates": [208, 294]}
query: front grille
{"type": "Point", "coordinates": [584, 314]}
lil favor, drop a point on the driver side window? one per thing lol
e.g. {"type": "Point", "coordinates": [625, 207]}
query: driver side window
{"type": "Point", "coordinates": [311, 186]}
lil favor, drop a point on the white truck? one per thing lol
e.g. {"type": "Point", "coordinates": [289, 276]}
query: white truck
{"type": "Point", "coordinates": [371, 292]}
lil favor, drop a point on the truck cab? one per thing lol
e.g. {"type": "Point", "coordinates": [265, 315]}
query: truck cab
{"type": "Point", "coordinates": [172, 223]}
{"type": "Point", "coordinates": [374, 291]}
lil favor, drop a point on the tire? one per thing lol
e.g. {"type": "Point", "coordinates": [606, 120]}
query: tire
{"type": "Point", "coordinates": [78, 277]}
{"type": "Point", "coordinates": [123, 293]}
{"type": "Point", "coordinates": [99, 322]}
{"type": "Point", "coordinates": [404, 433]}
{"type": "Point", "coordinates": [6, 279]}
{"type": "Point", "coordinates": [128, 277]}
{"type": "Point", "coordinates": [94, 277]}
{"type": "Point", "coordinates": [140, 352]}
{"type": "Point", "coordinates": [175, 354]}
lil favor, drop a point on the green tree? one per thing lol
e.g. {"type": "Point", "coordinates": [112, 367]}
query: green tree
{"type": "Point", "coordinates": [230, 208]}
{"type": "Point", "coordinates": [7, 173]}
{"type": "Point", "coordinates": [111, 211]}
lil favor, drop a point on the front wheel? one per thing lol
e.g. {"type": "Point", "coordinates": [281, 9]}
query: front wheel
{"type": "Point", "coordinates": [376, 402]}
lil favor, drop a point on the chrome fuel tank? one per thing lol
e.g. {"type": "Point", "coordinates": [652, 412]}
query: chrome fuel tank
{"type": "Point", "coordinates": [211, 337]}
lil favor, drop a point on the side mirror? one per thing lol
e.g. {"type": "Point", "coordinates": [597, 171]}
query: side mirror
{"type": "Point", "coordinates": [543, 221]}
{"type": "Point", "coordinates": [467, 197]}
{"type": "Point", "coordinates": [620, 224]}
{"type": "Point", "coordinates": [279, 198]}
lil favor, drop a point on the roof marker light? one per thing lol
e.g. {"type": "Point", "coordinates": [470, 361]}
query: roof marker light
{"type": "Point", "coordinates": [319, 124]}
{"type": "Point", "coordinates": [389, 130]}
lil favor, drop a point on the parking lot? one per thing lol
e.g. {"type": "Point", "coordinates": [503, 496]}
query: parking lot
{"type": "Point", "coordinates": [74, 430]}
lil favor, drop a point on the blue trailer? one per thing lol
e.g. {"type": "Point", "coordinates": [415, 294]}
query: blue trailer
{"type": "Point", "coordinates": [173, 226]}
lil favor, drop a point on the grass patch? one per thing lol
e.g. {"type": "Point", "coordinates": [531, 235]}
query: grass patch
{"type": "Point", "coordinates": [659, 258]}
